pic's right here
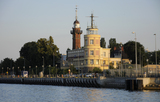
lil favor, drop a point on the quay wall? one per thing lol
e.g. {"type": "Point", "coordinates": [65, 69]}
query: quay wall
{"type": "Point", "coordinates": [81, 82]}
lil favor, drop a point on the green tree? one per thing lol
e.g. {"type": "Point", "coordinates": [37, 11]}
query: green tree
{"type": "Point", "coordinates": [111, 66]}
{"type": "Point", "coordinates": [7, 65]}
{"type": "Point", "coordinates": [35, 52]}
{"type": "Point", "coordinates": [103, 43]}
{"type": "Point", "coordinates": [97, 70]}
{"type": "Point", "coordinates": [112, 45]}
{"type": "Point", "coordinates": [129, 49]}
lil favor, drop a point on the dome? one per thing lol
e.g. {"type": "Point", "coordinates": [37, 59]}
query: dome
{"type": "Point", "coordinates": [76, 21]}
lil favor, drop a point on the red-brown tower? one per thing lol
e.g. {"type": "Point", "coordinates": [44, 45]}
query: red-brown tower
{"type": "Point", "coordinates": [76, 34]}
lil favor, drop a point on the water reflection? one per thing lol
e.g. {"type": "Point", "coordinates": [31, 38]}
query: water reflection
{"type": "Point", "coordinates": [44, 93]}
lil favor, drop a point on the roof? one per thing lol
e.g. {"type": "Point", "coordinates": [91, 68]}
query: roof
{"type": "Point", "coordinates": [76, 21]}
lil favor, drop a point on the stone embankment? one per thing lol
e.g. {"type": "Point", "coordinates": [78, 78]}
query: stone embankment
{"type": "Point", "coordinates": [81, 82]}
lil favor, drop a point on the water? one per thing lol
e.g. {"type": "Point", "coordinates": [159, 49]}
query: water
{"type": "Point", "coordinates": [44, 93]}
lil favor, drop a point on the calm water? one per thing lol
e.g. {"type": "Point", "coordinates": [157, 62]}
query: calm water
{"type": "Point", "coordinates": [44, 93]}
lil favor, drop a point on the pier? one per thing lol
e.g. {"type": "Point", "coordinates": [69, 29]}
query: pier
{"type": "Point", "coordinates": [100, 82]}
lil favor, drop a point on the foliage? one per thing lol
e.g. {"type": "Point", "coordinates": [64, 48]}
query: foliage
{"type": "Point", "coordinates": [151, 57]}
{"type": "Point", "coordinates": [43, 49]}
{"type": "Point", "coordinates": [7, 65]}
{"type": "Point", "coordinates": [103, 43]}
{"type": "Point", "coordinates": [112, 44]}
{"type": "Point", "coordinates": [108, 72]}
{"type": "Point", "coordinates": [111, 66]}
{"type": "Point", "coordinates": [116, 73]}
{"type": "Point", "coordinates": [97, 70]}
{"type": "Point", "coordinates": [129, 49]}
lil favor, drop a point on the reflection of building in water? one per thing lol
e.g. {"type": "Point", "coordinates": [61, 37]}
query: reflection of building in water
{"type": "Point", "coordinates": [92, 54]}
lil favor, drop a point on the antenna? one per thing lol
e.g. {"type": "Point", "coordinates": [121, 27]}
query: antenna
{"type": "Point", "coordinates": [92, 19]}
{"type": "Point", "coordinates": [76, 12]}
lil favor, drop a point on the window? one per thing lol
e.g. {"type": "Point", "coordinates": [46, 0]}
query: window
{"type": "Point", "coordinates": [86, 61]}
{"type": "Point", "coordinates": [97, 61]}
{"type": "Point", "coordinates": [104, 53]}
{"type": "Point", "coordinates": [86, 53]}
{"type": "Point", "coordinates": [91, 52]}
{"type": "Point", "coordinates": [103, 61]}
{"type": "Point", "coordinates": [86, 42]}
{"type": "Point", "coordinates": [91, 61]}
{"type": "Point", "coordinates": [91, 41]}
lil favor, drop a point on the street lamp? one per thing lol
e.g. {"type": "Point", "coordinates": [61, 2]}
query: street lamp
{"type": "Point", "coordinates": [155, 55]}
{"type": "Point", "coordinates": [36, 70]}
{"type": "Point", "coordinates": [103, 67]}
{"type": "Point", "coordinates": [24, 68]}
{"type": "Point", "coordinates": [2, 70]}
{"type": "Point", "coordinates": [43, 64]}
{"type": "Point", "coordinates": [24, 64]}
{"type": "Point", "coordinates": [49, 70]}
{"type": "Point", "coordinates": [135, 51]}
{"type": "Point", "coordinates": [147, 66]}
{"type": "Point", "coordinates": [29, 71]}
{"type": "Point", "coordinates": [72, 67]}
{"type": "Point", "coordinates": [121, 59]}
{"type": "Point", "coordinates": [82, 69]}
{"type": "Point", "coordinates": [18, 71]}
{"type": "Point", "coordinates": [7, 72]}
{"type": "Point", "coordinates": [56, 70]}
{"type": "Point", "coordinates": [13, 69]}
{"type": "Point", "coordinates": [63, 68]}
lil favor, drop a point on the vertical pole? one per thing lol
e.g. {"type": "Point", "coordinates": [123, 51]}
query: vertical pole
{"type": "Point", "coordinates": [121, 59]}
{"type": "Point", "coordinates": [155, 55]}
{"type": "Point", "coordinates": [136, 53]}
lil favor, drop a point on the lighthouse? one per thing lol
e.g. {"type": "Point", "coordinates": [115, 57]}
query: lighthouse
{"type": "Point", "coordinates": [76, 34]}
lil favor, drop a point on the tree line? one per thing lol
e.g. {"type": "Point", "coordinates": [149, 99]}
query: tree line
{"type": "Point", "coordinates": [129, 49]}
{"type": "Point", "coordinates": [32, 56]}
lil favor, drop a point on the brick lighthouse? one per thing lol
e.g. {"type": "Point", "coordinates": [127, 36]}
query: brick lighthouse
{"type": "Point", "coordinates": [76, 34]}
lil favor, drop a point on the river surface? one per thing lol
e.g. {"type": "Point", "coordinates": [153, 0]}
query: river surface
{"type": "Point", "coordinates": [49, 93]}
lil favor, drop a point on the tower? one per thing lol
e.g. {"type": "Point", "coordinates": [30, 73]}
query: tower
{"type": "Point", "coordinates": [76, 34]}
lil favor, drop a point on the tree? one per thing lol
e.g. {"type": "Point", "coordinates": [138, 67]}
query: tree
{"type": "Point", "coordinates": [129, 49]}
{"type": "Point", "coordinates": [34, 51]}
{"type": "Point", "coordinates": [151, 57]}
{"type": "Point", "coordinates": [113, 45]}
{"type": "Point", "coordinates": [30, 53]}
{"type": "Point", "coordinates": [103, 43]}
{"type": "Point", "coordinates": [7, 65]}
{"type": "Point", "coordinates": [97, 70]}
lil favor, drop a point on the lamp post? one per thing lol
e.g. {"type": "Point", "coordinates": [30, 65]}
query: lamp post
{"type": "Point", "coordinates": [29, 71]}
{"type": "Point", "coordinates": [121, 59]}
{"type": "Point", "coordinates": [147, 66]}
{"type": "Point", "coordinates": [72, 68]}
{"type": "Point", "coordinates": [103, 68]}
{"type": "Point", "coordinates": [43, 64]}
{"type": "Point", "coordinates": [155, 55]}
{"type": "Point", "coordinates": [135, 51]}
{"type": "Point", "coordinates": [7, 72]}
{"type": "Point", "coordinates": [82, 69]}
{"type": "Point", "coordinates": [56, 70]}
{"type": "Point", "coordinates": [18, 71]}
{"type": "Point", "coordinates": [130, 68]}
{"type": "Point", "coordinates": [2, 70]}
{"type": "Point", "coordinates": [63, 68]}
{"type": "Point", "coordinates": [36, 70]}
{"type": "Point", "coordinates": [24, 68]}
{"type": "Point", "coordinates": [49, 70]}
{"type": "Point", "coordinates": [24, 64]}
{"type": "Point", "coordinates": [13, 70]}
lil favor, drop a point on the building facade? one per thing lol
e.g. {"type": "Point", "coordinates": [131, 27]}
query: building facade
{"type": "Point", "coordinates": [92, 54]}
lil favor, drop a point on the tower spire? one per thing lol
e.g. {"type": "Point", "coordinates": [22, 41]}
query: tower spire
{"type": "Point", "coordinates": [76, 12]}
{"type": "Point", "coordinates": [92, 20]}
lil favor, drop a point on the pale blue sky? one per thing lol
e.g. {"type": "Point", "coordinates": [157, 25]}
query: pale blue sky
{"type": "Point", "coordinates": [23, 21]}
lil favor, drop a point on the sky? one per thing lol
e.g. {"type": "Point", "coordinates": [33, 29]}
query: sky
{"type": "Point", "coordinates": [23, 21]}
